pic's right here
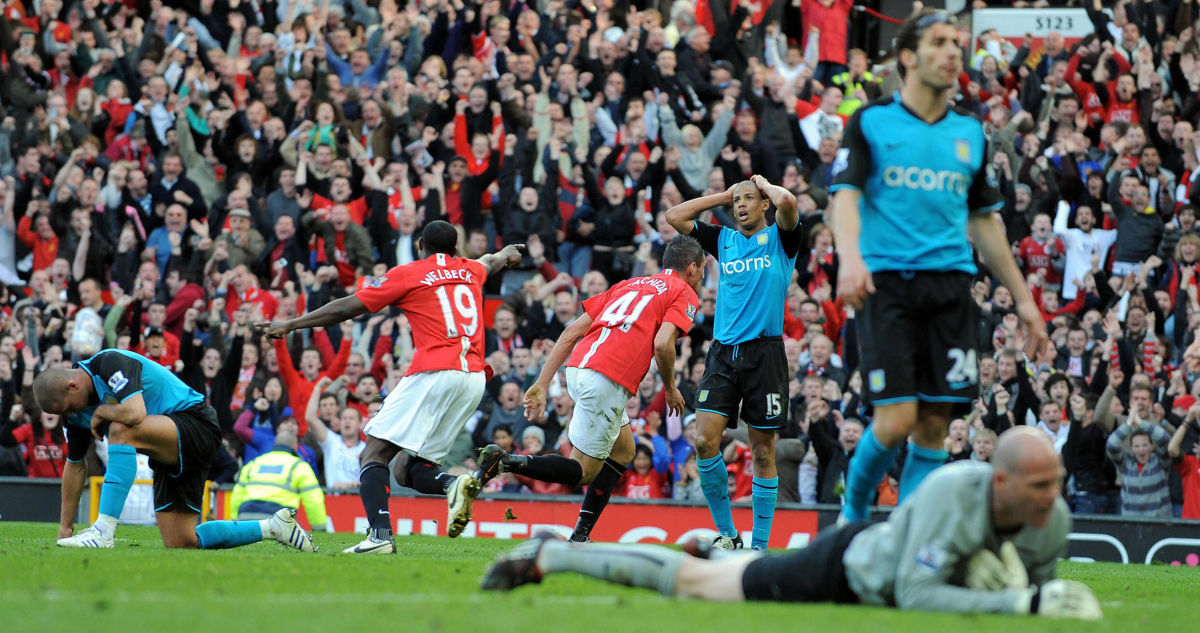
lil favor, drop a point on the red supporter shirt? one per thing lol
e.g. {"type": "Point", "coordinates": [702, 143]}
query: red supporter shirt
{"type": "Point", "coordinates": [1189, 471]}
{"type": "Point", "coordinates": [652, 485]}
{"type": "Point", "coordinates": [268, 303]}
{"type": "Point", "coordinates": [443, 298]}
{"type": "Point", "coordinates": [357, 207]}
{"type": "Point", "coordinates": [1035, 257]}
{"type": "Point", "coordinates": [625, 320]}
{"type": "Point", "coordinates": [44, 455]}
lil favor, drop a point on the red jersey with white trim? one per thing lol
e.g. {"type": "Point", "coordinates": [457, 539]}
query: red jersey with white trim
{"type": "Point", "coordinates": [1035, 257]}
{"type": "Point", "coordinates": [625, 319]}
{"type": "Point", "coordinates": [443, 299]}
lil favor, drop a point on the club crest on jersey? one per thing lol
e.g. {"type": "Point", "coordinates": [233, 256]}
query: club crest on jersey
{"type": "Point", "coordinates": [962, 149]}
{"type": "Point", "coordinates": [117, 382]}
{"type": "Point", "coordinates": [762, 240]}
{"type": "Point", "coordinates": [931, 557]}
{"type": "Point", "coordinates": [378, 281]}
{"type": "Point", "coordinates": [703, 396]}
{"type": "Point", "coordinates": [691, 312]}
{"type": "Point", "coordinates": [876, 380]}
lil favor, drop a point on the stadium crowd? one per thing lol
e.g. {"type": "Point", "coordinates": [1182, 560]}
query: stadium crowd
{"type": "Point", "coordinates": [172, 174]}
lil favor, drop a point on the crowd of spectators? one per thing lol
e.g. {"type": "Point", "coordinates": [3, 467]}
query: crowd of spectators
{"type": "Point", "coordinates": [172, 174]}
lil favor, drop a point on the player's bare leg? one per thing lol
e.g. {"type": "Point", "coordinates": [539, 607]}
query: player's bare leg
{"type": "Point", "coordinates": [926, 448]}
{"type": "Point", "coordinates": [714, 478]}
{"type": "Point", "coordinates": [178, 528]}
{"type": "Point", "coordinates": [874, 456]}
{"type": "Point", "coordinates": [155, 437]}
{"type": "Point", "coordinates": [716, 581]}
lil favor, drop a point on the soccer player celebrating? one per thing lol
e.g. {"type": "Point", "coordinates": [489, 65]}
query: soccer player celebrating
{"type": "Point", "coordinates": [144, 408]}
{"type": "Point", "coordinates": [746, 367]}
{"type": "Point", "coordinates": [613, 341]}
{"type": "Point", "coordinates": [909, 190]}
{"type": "Point", "coordinates": [975, 538]}
{"type": "Point", "coordinates": [442, 295]}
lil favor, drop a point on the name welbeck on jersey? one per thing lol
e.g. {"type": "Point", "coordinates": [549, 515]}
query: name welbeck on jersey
{"type": "Point", "coordinates": [448, 274]}
{"type": "Point", "coordinates": [747, 264]}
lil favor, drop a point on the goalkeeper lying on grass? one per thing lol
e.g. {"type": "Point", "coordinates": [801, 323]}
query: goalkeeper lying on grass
{"type": "Point", "coordinates": [973, 538]}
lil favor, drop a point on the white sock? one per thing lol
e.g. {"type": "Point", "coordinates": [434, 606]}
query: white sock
{"type": "Point", "coordinates": [268, 528]}
{"type": "Point", "coordinates": [106, 524]}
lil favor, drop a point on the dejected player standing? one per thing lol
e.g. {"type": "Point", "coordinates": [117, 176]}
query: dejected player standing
{"type": "Point", "coordinates": [909, 190]}
{"type": "Point", "coordinates": [613, 341]}
{"type": "Point", "coordinates": [442, 295]}
{"type": "Point", "coordinates": [746, 367]}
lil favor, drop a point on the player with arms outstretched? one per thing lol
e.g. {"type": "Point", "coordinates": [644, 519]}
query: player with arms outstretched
{"type": "Point", "coordinates": [143, 408]}
{"type": "Point", "coordinates": [610, 346]}
{"type": "Point", "coordinates": [442, 295]}
{"type": "Point", "coordinates": [909, 191]}
{"type": "Point", "coordinates": [746, 368]}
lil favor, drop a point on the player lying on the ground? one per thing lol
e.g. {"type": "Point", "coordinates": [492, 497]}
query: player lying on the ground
{"type": "Point", "coordinates": [613, 341]}
{"type": "Point", "coordinates": [973, 537]}
{"type": "Point", "coordinates": [144, 408]}
{"type": "Point", "coordinates": [442, 295]}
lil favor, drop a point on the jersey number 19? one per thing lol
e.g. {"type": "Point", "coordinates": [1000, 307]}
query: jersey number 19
{"type": "Point", "coordinates": [463, 324]}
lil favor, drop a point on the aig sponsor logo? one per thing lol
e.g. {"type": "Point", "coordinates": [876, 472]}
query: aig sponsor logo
{"type": "Point", "coordinates": [926, 179]}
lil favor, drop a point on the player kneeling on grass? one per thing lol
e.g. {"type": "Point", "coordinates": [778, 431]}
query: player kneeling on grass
{"type": "Point", "coordinates": [442, 295]}
{"type": "Point", "coordinates": [973, 537]}
{"type": "Point", "coordinates": [613, 341]}
{"type": "Point", "coordinates": [144, 408]}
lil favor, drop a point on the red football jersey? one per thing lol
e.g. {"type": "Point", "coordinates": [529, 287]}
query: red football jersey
{"type": "Point", "coordinates": [443, 299]}
{"type": "Point", "coordinates": [1036, 258]}
{"type": "Point", "coordinates": [625, 319]}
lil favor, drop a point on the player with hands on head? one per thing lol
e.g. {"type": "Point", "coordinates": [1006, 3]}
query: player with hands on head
{"type": "Point", "coordinates": [746, 368]}
{"type": "Point", "coordinates": [911, 196]}
{"type": "Point", "coordinates": [642, 316]}
{"type": "Point", "coordinates": [442, 295]}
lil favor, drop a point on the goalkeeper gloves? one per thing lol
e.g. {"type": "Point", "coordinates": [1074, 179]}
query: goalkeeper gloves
{"type": "Point", "coordinates": [1061, 599]}
{"type": "Point", "coordinates": [987, 572]}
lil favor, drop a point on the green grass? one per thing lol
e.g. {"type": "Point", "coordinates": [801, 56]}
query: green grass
{"type": "Point", "coordinates": [432, 585]}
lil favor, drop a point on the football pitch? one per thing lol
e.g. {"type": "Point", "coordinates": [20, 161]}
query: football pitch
{"type": "Point", "coordinates": [432, 584]}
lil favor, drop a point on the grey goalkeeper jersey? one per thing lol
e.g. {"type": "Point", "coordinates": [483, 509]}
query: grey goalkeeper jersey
{"type": "Point", "coordinates": [917, 559]}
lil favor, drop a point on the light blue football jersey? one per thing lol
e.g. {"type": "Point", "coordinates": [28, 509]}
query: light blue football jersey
{"type": "Point", "coordinates": [756, 271]}
{"type": "Point", "coordinates": [920, 182]}
{"type": "Point", "coordinates": [119, 375]}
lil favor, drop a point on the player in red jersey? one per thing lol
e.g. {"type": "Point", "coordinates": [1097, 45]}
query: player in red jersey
{"type": "Point", "coordinates": [442, 295]}
{"type": "Point", "coordinates": [610, 346]}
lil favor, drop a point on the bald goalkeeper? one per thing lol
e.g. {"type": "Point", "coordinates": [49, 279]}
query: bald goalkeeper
{"type": "Point", "coordinates": [974, 537]}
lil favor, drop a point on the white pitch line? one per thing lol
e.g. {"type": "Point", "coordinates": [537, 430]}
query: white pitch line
{"type": "Point", "coordinates": [54, 595]}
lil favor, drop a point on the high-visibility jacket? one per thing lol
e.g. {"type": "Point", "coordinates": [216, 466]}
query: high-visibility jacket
{"type": "Point", "coordinates": [868, 83]}
{"type": "Point", "coordinates": [280, 477]}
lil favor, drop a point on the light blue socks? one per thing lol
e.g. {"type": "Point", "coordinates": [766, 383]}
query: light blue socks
{"type": "Point", "coordinates": [714, 481]}
{"type": "Point", "coordinates": [762, 500]}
